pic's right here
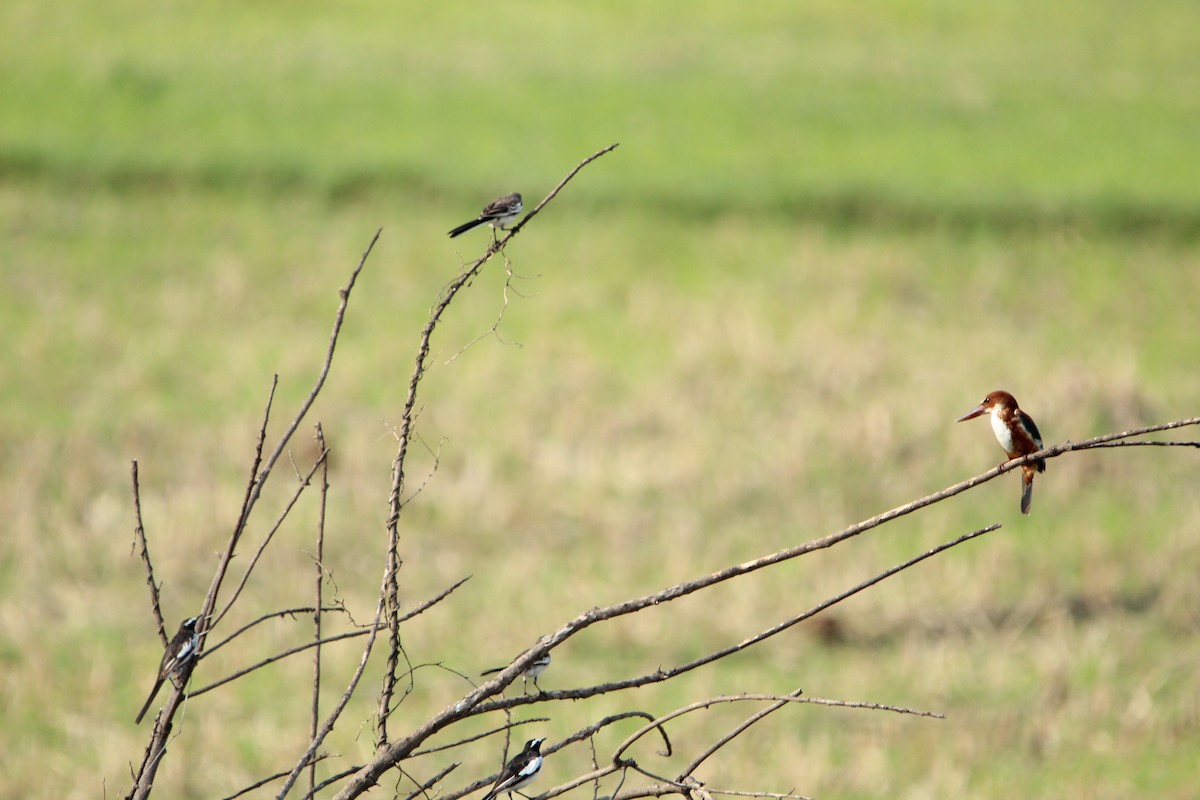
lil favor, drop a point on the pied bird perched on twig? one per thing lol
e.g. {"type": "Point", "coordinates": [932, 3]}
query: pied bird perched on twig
{"type": "Point", "coordinates": [518, 772]}
{"type": "Point", "coordinates": [499, 214]}
{"type": "Point", "coordinates": [180, 651]}
{"type": "Point", "coordinates": [531, 672]}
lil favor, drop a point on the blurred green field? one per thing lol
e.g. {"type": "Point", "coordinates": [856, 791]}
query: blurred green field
{"type": "Point", "coordinates": [827, 232]}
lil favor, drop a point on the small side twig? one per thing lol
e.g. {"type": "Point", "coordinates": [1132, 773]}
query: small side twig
{"type": "Point", "coordinates": [139, 534]}
{"type": "Point", "coordinates": [793, 698]}
{"type": "Point", "coordinates": [318, 591]}
{"type": "Point", "coordinates": [423, 788]}
{"type": "Point", "coordinates": [283, 515]}
{"type": "Point", "coordinates": [265, 781]}
{"type": "Point", "coordinates": [291, 651]}
{"type": "Point", "coordinates": [514, 230]}
{"type": "Point", "coordinates": [286, 612]}
{"type": "Point", "coordinates": [743, 726]}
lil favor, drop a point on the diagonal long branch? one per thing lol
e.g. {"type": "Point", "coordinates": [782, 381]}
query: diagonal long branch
{"type": "Point", "coordinates": [475, 701]}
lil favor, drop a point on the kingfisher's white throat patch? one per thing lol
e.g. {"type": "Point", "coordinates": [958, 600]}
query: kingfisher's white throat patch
{"type": "Point", "coordinates": [1003, 434]}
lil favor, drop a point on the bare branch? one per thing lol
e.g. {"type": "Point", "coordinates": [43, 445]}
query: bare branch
{"type": "Point", "coordinates": [145, 778]}
{"type": "Point", "coordinates": [1058, 450]}
{"type": "Point", "coordinates": [661, 675]}
{"type": "Point", "coordinates": [341, 704]}
{"type": "Point", "coordinates": [267, 780]}
{"type": "Point", "coordinates": [439, 597]}
{"type": "Point", "coordinates": [287, 612]}
{"type": "Point", "coordinates": [427, 785]}
{"type": "Point", "coordinates": [500, 729]}
{"type": "Point", "coordinates": [554, 192]}
{"type": "Point", "coordinates": [139, 535]}
{"type": "Point", "coordinates": [318, 591]}
{"type": "Point", "coordinates": [270, 535]}
{"type": "Point", "coordinates": [307, 645]}
{"type": "Point", "coordinates": [1145, 444]}
{"type": "Point", "coordinates": [494, 330]}
{"type": "Point", "coordinates": [404, 435]}
{"type": "Point", "coordinates": [339, 316]}
{"type": "Point", "coordinates": [474, 702]}
{"type": "Point", "coordinates": [737, 731]}
{"type": "Point", "coordinates": [687, 787]}
{"type": "Point", "coordinates": [738, 698]}
{"type": "Point", "coordinates": [580, 735]}
{"type": "Point", "coordinates": [300, 648]}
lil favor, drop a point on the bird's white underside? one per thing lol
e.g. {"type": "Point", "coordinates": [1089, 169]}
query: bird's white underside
{"type": "Point", "coordinates": [1003, 434]}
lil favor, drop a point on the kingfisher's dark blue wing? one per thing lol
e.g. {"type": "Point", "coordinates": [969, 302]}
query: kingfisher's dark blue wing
{"type": "Point", "coordinates": [1031, 426]}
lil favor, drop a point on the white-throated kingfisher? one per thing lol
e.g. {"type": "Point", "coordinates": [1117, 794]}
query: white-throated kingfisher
{"type": "Point", "coordinates": [1017, 433]}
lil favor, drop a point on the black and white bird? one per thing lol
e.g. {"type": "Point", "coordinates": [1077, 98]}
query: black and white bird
{"type": "Point", "coordinates": [499, 213]}
{"type": "Point", "coordinates": [518, 772]}
{"type": "Point", "coordinates": [531, 673]}
{"type": "Point", "coordinates": [180, 651]}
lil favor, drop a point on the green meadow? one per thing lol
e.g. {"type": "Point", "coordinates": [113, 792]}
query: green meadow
{"type": "Point", "coordinates": [829, 229]}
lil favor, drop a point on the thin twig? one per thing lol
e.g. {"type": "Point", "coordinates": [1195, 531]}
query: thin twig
{"type": "Point", "coordinates": [270, 535]}
{"type": "Point", "coordinates": [339, 316]}
{"type": "Point", "coordinates": [743, 726]}
{"type": "Point", "coordinates": [427, 785]}
{"type": "Point", "coordinates": [300, 648]}
{"type": "Point", "coordinates": [739, 698]}
{"type": "Point", "coordinates": [433, 601]}
{"type": "Point", "coordinates": [139, 535]}
{"type": "Point", "coordinates": [492, 732]}
{"type": "Point", "coordinates": [495, 326]}
{"type": "Point", "coordinates": [286, 612]}
{"type": "Point", "coordinates": [265, 781]}
{"type": "Point", "coordinates": [318, 591]}
{"type": "Point", "coordinates": [1146, 444]}
{"type": "Point", "coordinates": [332, 779]}
{"type": "Point", "coordinates": [584, 733]}
{"type": "Point", "coordinates": [341, 704]}
{"type": "Point", "coordinates": [514, 230]}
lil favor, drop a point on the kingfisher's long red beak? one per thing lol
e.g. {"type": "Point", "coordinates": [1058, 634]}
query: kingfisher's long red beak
{"type": "Point", "coordinates": [973, 413]}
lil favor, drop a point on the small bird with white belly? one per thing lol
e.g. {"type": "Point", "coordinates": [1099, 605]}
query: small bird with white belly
{"type": "Point", "coordinates": [180, 651]}
{"type": "Point", "coordinates": [1017, 434]}
{"type": "Point", "coordinates": [500, 213]}
{"type": "Point", "coordinates": [531, 673]}
{"type": "Point", "coordinates": [519, 772]}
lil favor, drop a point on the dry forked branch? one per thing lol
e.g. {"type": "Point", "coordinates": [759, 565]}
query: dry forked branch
{"type": "Point", "coordinates": [156, 748]}
{"type": "Point", "coordinates": [587, 733]}
{"type": "Point", "coordinates": [283, 515]}
{"type": "Point", "coordinates": [477, 702]}
{"type": "Point", "coordinates": [392, 753]}
{"type": "Point", "coordinates": [404, 436]}
{"type": "Point", "coordinates": [315, 643]}
{"type": "Point", "coordinates": [388, 608]}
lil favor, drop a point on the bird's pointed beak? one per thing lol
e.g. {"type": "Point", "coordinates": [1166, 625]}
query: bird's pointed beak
{"type": "Point", "coordinates": [972, 414]}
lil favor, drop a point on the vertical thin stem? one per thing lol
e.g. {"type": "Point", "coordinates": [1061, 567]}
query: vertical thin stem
{"type": "Point", "coordinates": [317, 606]}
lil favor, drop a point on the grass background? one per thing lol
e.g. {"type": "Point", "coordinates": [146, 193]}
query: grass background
{"type": "Point", "coordinates": [828, 231]}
